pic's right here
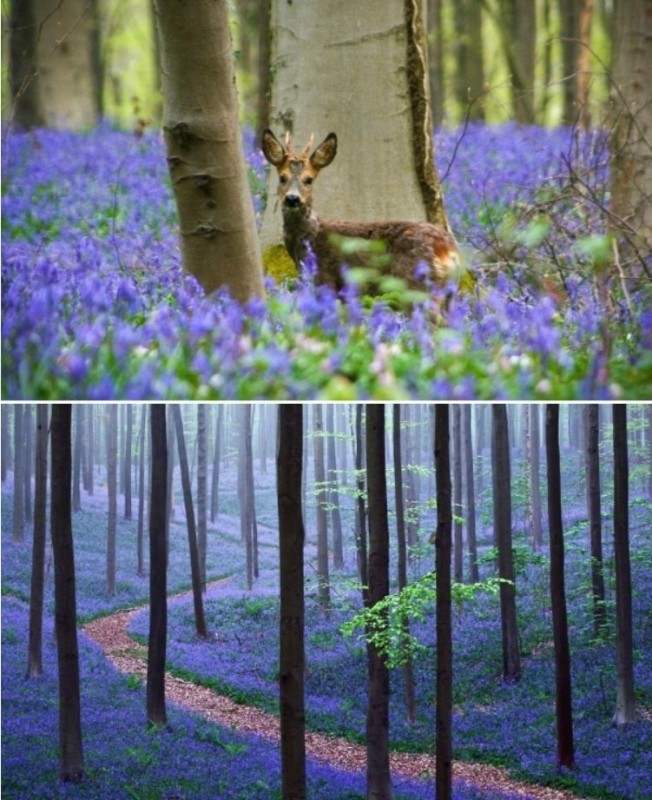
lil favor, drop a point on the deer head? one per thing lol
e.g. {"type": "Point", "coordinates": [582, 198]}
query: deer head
{"type": "Point", "coordinates": [297, 172]}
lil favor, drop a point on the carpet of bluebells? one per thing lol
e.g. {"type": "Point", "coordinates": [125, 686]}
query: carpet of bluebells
{"type": "Point", "coordinates": [191, 759]}
{"type": "Point", "coordinates": [95, 304]}
{"type": "Point", "coordinates": [511, 726]}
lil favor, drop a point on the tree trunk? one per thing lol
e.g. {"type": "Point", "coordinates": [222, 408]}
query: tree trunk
{"type": "Point", "coordinates": [219, 242]}
{"type": "Point", "coordinates": [502, 483]}
{"type": "Point", "coordinates": [323, 56]}
{"type": "Point", "coordinates": [470, 495]}
{"type": "Point", "coordinates": [625, 701]}
{"type": "Point", "coordinates": [77, 458]}
{"type": "Point", "coordinates": [593, 496]}
{"type": "Point", "coordinates": [140, 570]}
{"type": "Point", "coordinates": [322, 517]}
{"type": "Point", "coordinates": [71, 755]}
{"type": "Point", "coordinates": [126, 466]}
{"type": "Point", "coordinates": [112, 488]}
{"type": "Point", "coordinates": [215, 481]}
{"type": "Point", "coordinates": [535, 487]}
{"type": "Point", "coordinates": [65, 74]}
{"type": "Point", "coordinates": [245, 492]}
{"type": "Point", "coordinates": [195, 568]}
{"type": "Point", "coordinates": [34, 656]}
{"type": "Point", "coordinates": [158, 612]}
{"type": "Point", "coordinates": [90, 478]}
{"type": "Point", "coordinates": [444, 709]}
{"type": "Point", "coordinates": [361, 511]}
{"type": "Point", "coordinates": [5, 457]}
{"type": "Point", "coordinates": [402, 555]}
{"type": "Point", "coordinates": [333, 492]}
{"type": "Point", "coordinates": [379, 785]}
{"type": "Point", "coordinates": [563, 701]}
{"type": "Point", "coordinates": [518, 27]}
{"type": "Point", "coordinates": [631, 153]}
{"type": "Point", "coordinates": [201, 492]}
{"type": "Point", "coordinates": [458, 550]}
{"type": "Point", "coordinates": [291, 544]}
{"type": "Point", "coordinates": [469, 66]}
{"type": "Point", "coordinates": [23, 82]}
{"type": "Point", "coordinates": [19, 475]}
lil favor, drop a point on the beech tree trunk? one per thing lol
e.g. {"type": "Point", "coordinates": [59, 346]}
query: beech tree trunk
{"type": "Point", "coordinates": [18, 534]}
{"type": "Point", "coordinates": [379, 784]}
{"type": "Point", "coordinates": [359, 69]}
{"type": "Point", "coordinates": [458, 550]}
{"type": "Point", "coordinates": [126, 465]}
{"type": "Point", "coordinates": [625, 701]}
{"type": "Point", "coordinates": [158, 565]}
{"type": "Point", "coordinates": [64, 59]}
{"type": "Point", "coordinates": [361, 511]}
{"type": "Point", "coordinates": [443, 543]}
{"type": "Point", "coordinates": [292, 655]}
{"type": "Point", "coordinates": [631, 149]}
{"type": "Point", "coordinates": [219, 243]}
{"type": "Point", "coordinates": [112, 489]}
{"type": "Point", "coordinates": [71, 753]}
{"type": "Point", "coordinates": [34, 655]}
{"type": "Point", "coordinates": [563, 695]}
{"type": "Point", "coordinates": [323, 578]}
{"type": "Point", "coordinates": [202, 487]}
{"type": "Point", "coordinates": [333, 492]}
{"type": "Point", "coordinates": [594, 506]}
{"type": "Point", "coordinates": [470, 495]}
{"type": "Point", "coordinates": [195, 568]}
{"type": "Point", "coordinates": [140, 569]}
{"type": "Point", "coordinates": [502, 484]}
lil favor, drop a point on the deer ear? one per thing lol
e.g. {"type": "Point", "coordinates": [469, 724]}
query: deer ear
{"type": "Point", "coordinates": [325, 153]}
{"type": "Point", "coordinates": [273, 150]}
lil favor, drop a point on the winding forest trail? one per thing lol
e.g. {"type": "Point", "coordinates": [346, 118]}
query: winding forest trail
{"type": "Point", "coordinates": [110, 633]}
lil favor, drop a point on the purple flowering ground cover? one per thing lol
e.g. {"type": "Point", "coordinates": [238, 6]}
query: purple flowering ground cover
{"type": "Point", "coordinates": [95, 304]}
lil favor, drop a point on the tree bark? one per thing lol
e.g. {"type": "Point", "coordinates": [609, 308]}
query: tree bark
{"type": "Point", "coordinates": [444, 710]}
{"type": "Point", "coordinates": [593, 496]}
{"type": "Point", "coordinates": [631, 111]}
{"type": "Point", "coordinates": [502, 483]}
{"type": "Point", "coordinates": [202, 486]}
{"type": "Point", "coordinates": [195, 568]}
{"type": "Point", "coordinates": [215, 480]}
{"type": "Point", "coordinates": [126, 465]}
{"type": "Point", "coordinates": [361, 511]}
{"type": "Point", "coordinates": [323, 578]}
{"type": "Point", "coordinates": [245, 492]}
{"type": "Point", "coordinates": [34, 655]}
{"type": "Point", "coordinates": [219, 242]}
{"type": "Point", "coordinates": [63, 54]}
{"type": "Point", "coordinates": [402, 555]}
{"type": "Point", "coordinates": [23, 83]}
{"type": "Point", "coordinates": [140, 569]}
{"type": "Point", "coordinates": [379, 785]}
{"type": "Point", "coordinates": [333, 491]}
{"type": "Point", "coordinates": [625, 701]}
{"type": "Point", "coordinates": [71, 755]}
{"type": "Point", "coordinates": [563, 700]}
{"type": "Point", "coordinates": [470, 495]}
{"type": "Point", "coordinates": [292, 656]}
{"type": "Point", "coordinates": [112, 488]}
{"type": "Point", "coordinates": [158, 612]}
{"type": "Point", "coordinates": [458, 550]}
{"type": "Point", "coordinates": [18, 534]}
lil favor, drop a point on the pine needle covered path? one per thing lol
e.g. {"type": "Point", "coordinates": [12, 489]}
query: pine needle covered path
{"type": "Point", "coordinates": [111, 634]}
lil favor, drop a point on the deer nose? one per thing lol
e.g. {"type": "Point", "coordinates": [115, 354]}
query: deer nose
{"type": "Point", "coordinates": [292, 200]}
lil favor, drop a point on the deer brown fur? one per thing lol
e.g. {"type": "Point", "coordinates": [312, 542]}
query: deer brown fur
{"type": "Point", "coordinates": [407, 244]}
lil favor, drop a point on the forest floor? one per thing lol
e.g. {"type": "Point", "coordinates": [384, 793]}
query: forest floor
{"type": "Point", "coordinates": [110, 633]}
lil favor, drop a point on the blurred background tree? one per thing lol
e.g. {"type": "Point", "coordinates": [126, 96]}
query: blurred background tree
{"type": "Point", "coordinates": [544, 61]}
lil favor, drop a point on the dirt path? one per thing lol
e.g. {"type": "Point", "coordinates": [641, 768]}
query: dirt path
{"type": "Point", "coordinates": [110, 633]}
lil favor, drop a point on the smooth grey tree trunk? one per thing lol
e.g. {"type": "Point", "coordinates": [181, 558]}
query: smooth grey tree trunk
{"type": "Point", "coordinates": [112, 488]}
{"type": "Point", "coordinates": [594, 507]}
{"type": "Point", "coordinates": [321, 496]}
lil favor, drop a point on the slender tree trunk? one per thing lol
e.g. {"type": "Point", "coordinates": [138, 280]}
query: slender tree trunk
{"type": "Point", "coordinates": [444, 709]}
{"type": "Point", "coordinates": [593, 494]}
{"type": "Point", "coordinates": [625, 701]}
{"type": "Point", "coordinates": [292, 656]}
{"type": "Point", "coordinates": [402, 556]}
{"type": "Point", "coordinates": [112, 481]}
{"type": "Point", "coordinates": [141, 492]}
{"type": "Point", "coordinates": [535, 487]}
{"type": "Point", "coordinates": [333, 492]}
{"type": "Point", "coordinates": [470, 496]}
{"type": "Point", "coordinates": [71, 755]}
{"type": "Point", "coordinates": [77, 459]}
{"type": "Point", "coordinates": [379, 785]}
{"type": "Point", "coordinates": [564, 706]}
{"type": "Point", "coordinates": [34, 656]}
{"type": "Point", "coordinates": [201, 492]}
{"type": "Point", "coordinates": [5, 457]}
{"type": "Point", "coordinates": [361, 511]}
{"type": "Point", "coordinates": [503, 533]}
{"type": "Point", "coordinates": [23, 36]}
{"type": "Point", "coordinates": [91, 447]}
{"type": "Point", "coordinates": [458, 552]}
{"type": "Point", "coordinates": [195, 568]}
{"type": "Point", "coordinates": [126, 467]}
{"type": "Point", "coordinates": [219, 242]}
{"type": "Point", "coordinates": [158, 619]}
{"type": "Point", "coordinates": [19, 475]}
{"type": "Point", "coordinates": [215, 482]}
{"type": "Point", "coordinates": [322, 517]}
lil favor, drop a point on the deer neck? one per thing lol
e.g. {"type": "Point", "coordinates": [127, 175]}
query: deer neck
{"type": "Point", "coordinates": [300, 227]}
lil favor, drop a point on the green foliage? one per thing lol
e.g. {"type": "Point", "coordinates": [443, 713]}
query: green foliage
{"type": "Point", "coordinates": [383, 624]}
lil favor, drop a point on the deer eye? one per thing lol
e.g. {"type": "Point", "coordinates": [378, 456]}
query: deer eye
{"type": "Point", "coordinates": [283, 179]}
{"type": "Point", "coordinates": [307, 181]}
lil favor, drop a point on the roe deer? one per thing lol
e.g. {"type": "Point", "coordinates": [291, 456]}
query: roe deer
{"type": "Point", "coordinates": [406, 243]}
